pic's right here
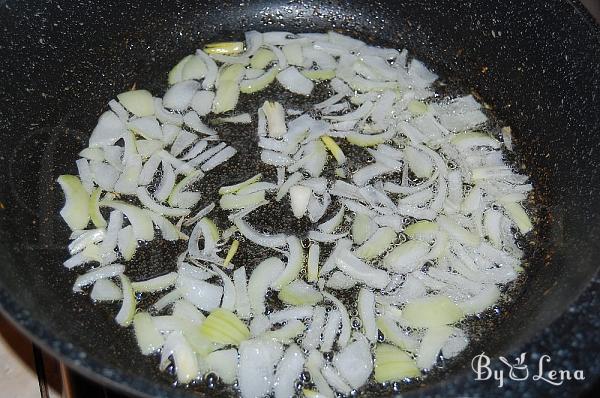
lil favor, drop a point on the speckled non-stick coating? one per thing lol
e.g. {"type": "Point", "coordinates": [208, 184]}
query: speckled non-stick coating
{"type": "Point", "coordinates": [536, 64]}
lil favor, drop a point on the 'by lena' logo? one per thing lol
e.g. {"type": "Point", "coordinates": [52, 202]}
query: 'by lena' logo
{"type": "Point", "coordinates": [519, 370]}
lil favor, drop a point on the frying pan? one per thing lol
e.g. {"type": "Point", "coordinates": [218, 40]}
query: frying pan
{"type": "Point", "coordinates": [537, 64]}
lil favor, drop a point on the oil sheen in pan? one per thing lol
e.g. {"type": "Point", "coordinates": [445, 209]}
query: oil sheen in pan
{"type": "Point", "coordinates": [159, 256]}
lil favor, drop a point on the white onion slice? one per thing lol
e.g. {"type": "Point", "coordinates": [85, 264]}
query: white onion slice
{"type": "Point", "coordinates": [146, 200]}
{"type": "Point", "coordinates": [221, 157]}
{"type": "Point", "coordinates": [256, 371]}
{"type": "Point", "coordinates": [345, 319]}
{"type": "Point", "coordinates": [272, 241]}
{"type": "Point", "coordinates": [288, 371]}
{"type": "Point", "coordinates": [147, 335]}
{"type": "Point", "coordinates": [179, 96]}
{"type": "Point", "coordinates": [295, 81]}
{"type": "Point", "coordinates": [261, 279]}
{"type": "Point", "coordinates": [242, 299]}
{"type": "Point", "coordinates": [127, 311]}
{"type": "Point", "coordinates": [360, 271]}
{"type": "Point", "coordinates": [211, 70]}
{"type": "Point", "coordinates": [314, 364]}
{"type": "Point", "coordinates": [330, 330]}
{"type": "Point", "coordinates": [354, 362]}
{"type": "Point", "coordinates": [107, 271]}
{"type": "Point", "coordinates": [229, 291]}
{"type": "Point", "coordinates": [366, 311]}
{"type": "Point", "coordinates": [138, 102]}
{"type": "Point", "coordinates": [202, 294]}
{"type": "Point", "coordinates": [155, 284]}
{"type": "Point", "coordinates": [106, 290]}
{"type": "Point", "coordinates": [312, 337]}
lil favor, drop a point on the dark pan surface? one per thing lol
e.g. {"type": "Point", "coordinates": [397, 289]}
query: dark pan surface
{"type": "Point", "coordinates": [62, 61]}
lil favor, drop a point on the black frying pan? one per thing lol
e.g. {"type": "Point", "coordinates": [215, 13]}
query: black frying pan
{"type": "Point", "coordinates": [536, 63]}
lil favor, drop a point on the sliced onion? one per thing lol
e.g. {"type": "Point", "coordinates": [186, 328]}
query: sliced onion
{"type": "Point", "coordinates": [288, 371]}
{"type": "Point", "coordinates": [377, 244]}
{"type": "Point", "coordinates": [140, 221]}
{"type": "Point", "coordinates": [354, 361]}
{"type": "Point", "coordinates": [229, 291]}
{"type": "Point", "coordinates": [106, 290]}
{"type": "Point", "coordinates": [360, 271]}
{"type": "Point", "coordinates": [407, 256]}
{"type": "Point", "coordinates": [433, 341]}
{"type": "Point", "coordinates": [261, 279]}
{"type": "Point", "coordinates": [366, 311]}
{"type": "Point", "coordinates": [344, 336]}
{"type": "Point", "coordinates": [340, 281]}
{"type": "Point", "coordinates": [300, 293]}
{"type": "Point", "coordinates": [312, 337]}
{"type": "Point", "coordinates": [295, 81]}
{"type": "Point", "coordinates": [221, 157]}
{"type": "Point", "coordinates": [256, 372]}
{"type": "Point", "coordinates": [288, 333]}
{"type": "Point", "coordinates": [127, 311]}
{"type": "Point", "coordinates": [432, 311]}
{"type": "Point", "coordinates": [248, 86]}
{"type": "Point", "coordinates": [138, 102]}
{"type": "Point", "coordinates": [313, 262]}
{"type": "Point", "coordinates": [393, 334]}
{"type": "Point", "coordinates": [224, 364]}
{"type": "Point", "coordinates": [314, 364]}
{"type": "Point", "coordinates": [330, 330]}
{"type": "Point", "coordinates": [222, 326]}
{"type": "Point", "coordinates": [127, 242]}
{"type": "Point", "coordinates": [300, 312]}
{"type": "Point", "coordinates": [128, 180]}
{"type": "Point", "coordinates": [272, 241]}
{"type": "Point", "coordinates": [242, 299]}
{"type": "Point", "coordinates": [147, 335]}
{"type": "Point", "coordinates": [75, 212]}
{"type": "Point", "coordinates": [393, 364]}
{"type": "Point", "coordinates": [184, 358]}
{"type": "Point", "coordinates": [211, 70]}
{"type": "Point", "coordinates": [155, 284]}
{"type": "Point", "coordinates": [202, 294]}
{"type": "Point", "coordinates": [294, 264]}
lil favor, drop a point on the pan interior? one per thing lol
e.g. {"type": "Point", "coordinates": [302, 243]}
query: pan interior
{"type": "Point", "coordinates": [63, 73]}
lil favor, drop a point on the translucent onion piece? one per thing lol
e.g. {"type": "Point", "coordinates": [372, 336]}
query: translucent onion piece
{"type": "Point", "coordinates": [344, 336]}
{"type": "Point", "coordinates": [295, 81]}
{"type": "Point", "coordinates": [127, 311]}
{"type": "Point", "coordinates": [147, 335]}
{"type": "Point", "coordinates": [432, 311]}
{"type": "Point", "coordinates": [75, 212]}
{"type": "Point", "coordinates": [272, 241]}
{"type": "Point", "coordinates": [222, 326]}
{"type": "Point", "coordinates": [184, 358]}
{"type": "Point", "coordinates": [313, 262]}
{"type": "Point", "coordinates": [433, 341]}
{"type": "Point", "coordinates": [202, 294]}
{"type": "Point", "coordinates": [360, 271]}
{"type": "Point", "coordinates": [288, 371]}
{"type": "Point", "coordinates": [140, 221]}
{"type": "Point", "coordinates": [138, 102]}
{"type": "Point", "coordinates": [300, 293]}
{"type": "Point", "coordinates": [223, 363]}
{"type": "Point", "coordinates": [106, 290]}
{"type": "Point", "coordinates": [155, 284]}
{"type": "Point", "coordinates": [354, 361]}
{"type": "Point", "coordinates": [393, 364]}
{"type": "Point", "coordinates": [108, 130]}
{"type": "Point", "coordinates": [366, 311]}
{"type": "Point", "coordinates": [256, 371]}
{"type": "Point", "coordinates": [261, 279]}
